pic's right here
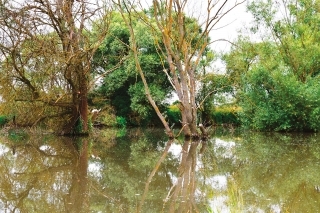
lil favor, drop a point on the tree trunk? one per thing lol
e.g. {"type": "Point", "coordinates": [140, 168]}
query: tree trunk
{"type": "Point", "coordinates": [83, 106]}
{"type": "Point", "coordinates": [189, 120]}
{"type": "Point", "coordinates": [134, 49]}
{"type": "Point", "coordinates": [78, 123]}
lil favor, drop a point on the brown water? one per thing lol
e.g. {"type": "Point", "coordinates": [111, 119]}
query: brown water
{"type": "Point", "coordinates": [140, 171]}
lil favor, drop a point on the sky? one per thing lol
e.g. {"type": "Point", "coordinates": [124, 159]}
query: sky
{"type": "Point", "coordinates": [229, 27]}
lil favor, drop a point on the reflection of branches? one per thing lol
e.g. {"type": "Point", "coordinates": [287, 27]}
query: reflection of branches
{"type": "Point", "coordinates": [101, 193]}
{"type": "Point", "coordinates": [47, 170]}
{"type": "Point", "coordinates": [185, 186]}
{"type": "Point", "coordinates": [33, 174]}
{"type": "Point", "coordinates": [41, 152]}
{"type": "Point", "coordinates": [181, 194]}
{"type": "Point", "coordinates": [161, 159]}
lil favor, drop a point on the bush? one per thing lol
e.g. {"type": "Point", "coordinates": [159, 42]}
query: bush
{"type": "Point", "coordinates": [279, 101]}
{"type": "Point", "coordinates": [3, 120]}
{"type": "Point", "coordinates": [173, 114]}
{"type": "Point", "coordinates": [121, 121]}
{"type": "Point", "coordinates": [226, 115]}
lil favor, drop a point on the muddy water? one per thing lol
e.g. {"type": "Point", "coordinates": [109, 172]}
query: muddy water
{"type": "Point", "coordinates": [141, 171]}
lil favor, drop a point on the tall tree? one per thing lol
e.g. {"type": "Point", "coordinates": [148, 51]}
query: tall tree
{"type": "Point", "coordinates": [183, 46]}
{"type": "Point", "coordinates": [296, 32]}
{"type": "Point", "coordinates": [279, 76]}
{"type": "Point", "coordinates": [46, 51]}
{"type": "Point", "coordinates": [123, 87]}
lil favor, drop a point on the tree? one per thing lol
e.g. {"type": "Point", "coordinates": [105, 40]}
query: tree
{"type": "Point", "coordinates": [184, 41]}
{"type": "Point", "coordinates": [46, 52]}
{"type": "Point", "coordinates": [122, 87]}
{"type": "Point", "coordinates": [212, 86]}
{"type": "Point", "coordinates": [279, 76]}
{"type": "Point", "coordinates": [295, 34]}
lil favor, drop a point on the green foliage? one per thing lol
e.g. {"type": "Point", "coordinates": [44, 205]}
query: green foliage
{"type": "Point", "coordinates": [18, 135]}
{"type": "Point", "coordinates": [107, 118]}
{"type": "Point", "coordinates": [173, 114]}
{"type": "Point", "coordinates": [3, 120]}
{"type": "Point", "coordinates": [279, 101]}
{"type": "Point", "coordinates": [123, 87]}
{"type": "Point", "coordinates": [121, 122]}
{"type": "Point", "coordinates": [226, 115]}
{"type": "Point", "coordinates": [90, 125]}
{"type": "Point", "coordinates": [297, 39]}
{"type": "Point", "coordinates": [278, 79]}
{"type": "Point", "coordinates": [79, 126]}
{"type": "Point", "coordinates": [139, 102]}
{"type": "Point", "coordinates": [213, 86]}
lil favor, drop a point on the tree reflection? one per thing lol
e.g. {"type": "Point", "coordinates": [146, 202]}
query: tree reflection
{"type": "Point", "coordinates": [279, 171]}
{"type": "Point", "coordinates": [77, 198]}
{"type": "Point", "coordinates": [123, 169]}
{"type": "Point", "coordinates": [141, 172]}
{"type": "Point", "coordinates": [43, 175]}
{"type": "Point", "coordinates": [181, 195]}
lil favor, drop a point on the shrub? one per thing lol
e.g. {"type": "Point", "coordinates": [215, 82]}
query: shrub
{"type": "Point", "coordinates": [173, 114]}
{"type": "Point", "coordinates": [279, 101]}
{"type": "Point", "coordinates": [3, 120]}
{"type": "Point", "coordinates": [226, 115]}
{"type": "Point", "coordinates": [121, 121]}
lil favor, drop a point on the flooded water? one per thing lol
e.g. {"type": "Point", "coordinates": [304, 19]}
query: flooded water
{"type": "Point", "coordinates": [141, 171]}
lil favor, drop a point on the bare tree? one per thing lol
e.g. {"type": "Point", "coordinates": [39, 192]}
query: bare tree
{"type": "Point", "coordinates": [47, 48]}
{"type": "Point", "coordinates": [182, 45]}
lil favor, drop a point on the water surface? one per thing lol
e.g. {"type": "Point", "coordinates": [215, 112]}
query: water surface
{"type": "Point", "coordinates": [141, 171]}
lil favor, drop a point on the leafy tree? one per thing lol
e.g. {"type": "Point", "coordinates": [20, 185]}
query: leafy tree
{"type": "Point", "coordinates": [278, 77]}
{"type": "Point", "coordinates": [296, 35]}
{"type": "Point", "coordinates": [182, 43]}
{"type": "Point", "coordinates": [214, 87]}
{"type": "Point", "coordinates": [123, 87]}
{"type": "Point", "coordinates": [46, 52]}
{"type": "Point", "coordinates": [279, 101]}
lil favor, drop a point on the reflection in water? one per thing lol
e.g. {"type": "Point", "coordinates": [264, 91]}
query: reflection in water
{"type": "Point", "coordinates": [246, 173]}
{"type": "Point", "coordinates": [77, 197]}
{"type": "Point", "coordinates": [48, 177]}
{"type": "Point", "coordinates": [141, 171]}
{"type": "Point", "coordinates": [161, 159]}
{"type": "Point", "coordinates": [181, 194]}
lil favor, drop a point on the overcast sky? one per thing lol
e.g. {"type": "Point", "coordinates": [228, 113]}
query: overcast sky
{"type": "Point", "coordinates": [230, 26]}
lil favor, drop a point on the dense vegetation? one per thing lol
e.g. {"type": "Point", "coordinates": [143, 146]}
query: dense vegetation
{"type": "Point", "coordinates": [278, 77]}
{"type": "Point", "coordinates": [129, 63]}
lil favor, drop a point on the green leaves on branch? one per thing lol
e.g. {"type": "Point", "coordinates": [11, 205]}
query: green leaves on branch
{"type": "Point", "coordinates": [279, 101]}
{"type": "Point", "coordinates": [278, 78]}
{"type": "Point", "coordinates": [123, 86]}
